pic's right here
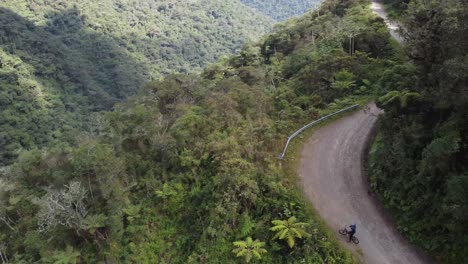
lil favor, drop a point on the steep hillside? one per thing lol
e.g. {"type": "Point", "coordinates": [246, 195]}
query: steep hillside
{"type": "Point", "coordinates": [62, 60]}
{"type": "Point", "coordinates": [187, 172]}
{"type": "Point", "coordinates": [282, 9]}
{"type": "Point", "coordinates": [419, 162]}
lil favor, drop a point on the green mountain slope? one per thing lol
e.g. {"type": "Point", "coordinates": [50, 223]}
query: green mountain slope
{"type": "Point", "coordinates": [282, 9]}
{"type": "Point", "coordinates": [62, 60]}
{"type": "Point", "coordinates": [181, 172]}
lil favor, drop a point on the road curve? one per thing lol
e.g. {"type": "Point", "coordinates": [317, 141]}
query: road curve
{"type": "Point", "coordinates": [378, 9]}
{"type": "Point", "coordinates": [331, 178]}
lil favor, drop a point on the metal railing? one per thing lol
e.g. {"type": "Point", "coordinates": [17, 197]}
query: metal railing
{"type": "Point", "coordinates": [312, 124]}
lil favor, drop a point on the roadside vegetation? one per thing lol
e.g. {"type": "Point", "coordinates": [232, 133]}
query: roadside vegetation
{"type": "Point", "coordinates": [418, 164]}
{"type": "Point", "coordinates": [187, 171]}
{"type": "Point", "coordinates": [396, 8]}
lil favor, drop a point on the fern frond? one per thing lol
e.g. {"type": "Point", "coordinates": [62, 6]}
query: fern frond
{"type": "Point", "coordinates": [241, 244]}
{"type": "Point", "coordinates": [291, 241]}
{"type": "Point", "coordinates": [283, 233]}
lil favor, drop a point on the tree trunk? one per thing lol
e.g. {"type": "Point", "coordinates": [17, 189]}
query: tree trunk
{"type": "Point", "coordinates": [350, 52]}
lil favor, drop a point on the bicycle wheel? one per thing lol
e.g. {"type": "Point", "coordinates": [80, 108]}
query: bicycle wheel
{"type": "Point", "coordinates": [355, 240]}
{"type": "Point", "coordinates": [343, 231]}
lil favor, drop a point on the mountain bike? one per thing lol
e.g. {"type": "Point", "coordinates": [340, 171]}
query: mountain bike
{"type": "Point", "coordinates": [345, 232]}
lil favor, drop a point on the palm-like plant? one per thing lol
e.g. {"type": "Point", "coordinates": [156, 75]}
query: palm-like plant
{"type": "Point", "coordinates": [399, 98]}
{"type": "Point", "coordinates": [343, 80]}
{"type": "Point", "coordinates": [93, 222]}
{"type": "Point", "coordinates": [249, 248]}
{"type": "Point", "coordinates": [343, 85]}
{"type": "Point", "coordinates": [289, 230]}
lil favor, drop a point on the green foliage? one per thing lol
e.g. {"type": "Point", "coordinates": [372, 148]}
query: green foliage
{"type": "Point", "coordinates": [422, 149]}
{"type": "Point", "coordinates": [177, 173]}
{"type": "Point", "coordinates": [399, 100]}
{"type": "Point", "coordinates": [396, 8]}
{"type": "Point", "coordinates": [69, 256]}
{"type": "Point", "coordinates": [289, 230]}
{"type": "Point", "coordinates": [93, 222]}
{"type": "Point", "coordinates": [282, 9]}
{"type": "Point", "coordinates": [399, 77]}
{"type": "Point", "coordinates": [343, 80]}
{"type": "Point", "coordinates": [249, 248]}
{"type": "Point", "coordinates": [61, 61]}
{"type": "Point", "coordinates": [457, 198]}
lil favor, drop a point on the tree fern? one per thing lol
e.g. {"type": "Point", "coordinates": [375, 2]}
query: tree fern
{"type": "Point", "coordinates": [249, 248]}
{"type": "Point", "coordinates": [400, 99]}
{"type": "Point", "coordinates": [289, 230]}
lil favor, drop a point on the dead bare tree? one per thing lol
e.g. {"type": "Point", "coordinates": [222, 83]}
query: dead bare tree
{"type": "Point", "coordinates": [65, 207]}
{"type": "Point", "coordinates": [3, 256]}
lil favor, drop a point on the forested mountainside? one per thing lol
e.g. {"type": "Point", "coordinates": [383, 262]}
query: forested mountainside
{"type": "Point", "coordinates": [282, 9]}
{"type": "Point", "coordinates": [419, 164]}
{"type": "Point", "coordinates": [187, 172]}
{"type": "Point", "coordinates": [62, 60]}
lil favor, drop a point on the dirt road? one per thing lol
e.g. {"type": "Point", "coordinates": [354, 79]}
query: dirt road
{"type": "Point", "coordinates": [332, 179]}
{"type": "Point", "coordinates": [393, 26]}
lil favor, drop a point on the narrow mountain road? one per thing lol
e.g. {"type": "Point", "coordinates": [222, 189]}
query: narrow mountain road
{"type": "Point", "coordinates": [377, 8]}
{"type": "Point", "coordinates": [331, 177]}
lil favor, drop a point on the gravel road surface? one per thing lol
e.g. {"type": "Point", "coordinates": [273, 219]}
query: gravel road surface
{"type": "Point", "coordinates": [331, 178]}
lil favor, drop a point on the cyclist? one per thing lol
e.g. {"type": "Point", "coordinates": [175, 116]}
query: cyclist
{"type": "Point", "coordinates": [352, 232]}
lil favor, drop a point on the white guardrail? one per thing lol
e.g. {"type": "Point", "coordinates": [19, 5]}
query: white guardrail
{"type": "Point", "coordinates": [312, 124]}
